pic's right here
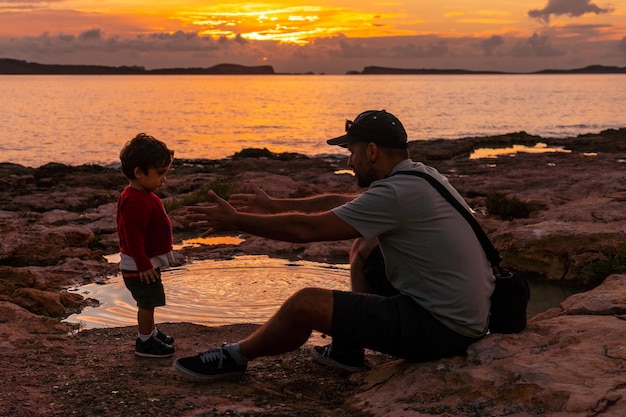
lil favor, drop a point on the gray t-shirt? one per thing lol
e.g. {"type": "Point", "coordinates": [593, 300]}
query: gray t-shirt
{"type": "Point", "coordinates": [431, 252]}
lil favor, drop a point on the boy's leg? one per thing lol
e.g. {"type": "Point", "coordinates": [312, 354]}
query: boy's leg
{"type": "Point", "coordinates": [145, 320]}
{"type": "Point", "coordinates": [148, 296]}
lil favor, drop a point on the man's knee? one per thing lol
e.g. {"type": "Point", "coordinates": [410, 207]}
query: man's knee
{"type": "Point", "coordinates": [308, 302]}
{"type": "Point", "coordinates": [361, 249]}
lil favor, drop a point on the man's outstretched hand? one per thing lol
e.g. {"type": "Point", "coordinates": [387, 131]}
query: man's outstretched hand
{"type": "Point", "coordinates": [218, 217]}
{"type": "Point", "coordinates": [258, 202]}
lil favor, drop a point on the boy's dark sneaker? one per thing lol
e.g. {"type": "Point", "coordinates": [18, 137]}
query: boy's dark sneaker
{"type": "Point", "coordinates": [168, 340]}
{"type": "Point", "coordinates": [211, 365]}
{"type": "Point", "coordinates": [153, 348]}
{"type": "Point", "coordinates": [352, 361]}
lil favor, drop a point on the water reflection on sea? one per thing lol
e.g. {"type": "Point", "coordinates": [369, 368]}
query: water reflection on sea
{"type": "Point", "coordinates": [86, 119]}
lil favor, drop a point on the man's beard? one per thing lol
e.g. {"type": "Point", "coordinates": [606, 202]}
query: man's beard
{"type": "Point", "coordinates": [365, 178]}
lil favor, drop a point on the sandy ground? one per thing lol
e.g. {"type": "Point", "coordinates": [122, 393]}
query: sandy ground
{"type": "Point", "coordinates": [95, 373]}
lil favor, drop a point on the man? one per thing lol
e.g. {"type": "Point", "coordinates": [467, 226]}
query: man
{"type": "Point", "coordinates": [421, 282]}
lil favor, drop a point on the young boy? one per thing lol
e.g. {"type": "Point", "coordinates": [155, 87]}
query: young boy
{"type": "Point", "coordinates": [145, 237]}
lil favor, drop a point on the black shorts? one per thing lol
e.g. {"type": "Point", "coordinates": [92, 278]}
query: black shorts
{"type": "Point", "coordinates": [391, 324]}
{"type": "Point", "coordinates": [147, 295]}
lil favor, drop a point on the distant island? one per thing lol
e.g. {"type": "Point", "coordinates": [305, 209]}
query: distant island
{"type": "Point", "coordinates": [15, 66]}
{"type": "Point", "coordinates": [592, 69]}
{"type": "Point", "coordinates": [10, 66]}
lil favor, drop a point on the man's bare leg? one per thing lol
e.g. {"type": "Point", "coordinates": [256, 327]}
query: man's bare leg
{"type": "Point", "coordinates": [291, 326]}
{"type": "Point", "coordinates": [307, 310]}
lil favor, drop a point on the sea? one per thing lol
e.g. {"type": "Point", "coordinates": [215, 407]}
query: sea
{"type": "Point", "coordinates": [86, 119]}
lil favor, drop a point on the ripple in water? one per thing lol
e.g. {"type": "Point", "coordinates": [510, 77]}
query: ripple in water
{"type": "Point", "coordinates": [247, 289]}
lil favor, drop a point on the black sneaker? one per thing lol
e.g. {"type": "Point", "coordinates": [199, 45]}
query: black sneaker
{"type": "Point", "coordinates": [352, 361]}
{"type": "Point", "coordinates": [211, 365]}
{"type": "Point", "coordinates": [168, 340]}
{"type": "Point", "coordinates": [153, 348]}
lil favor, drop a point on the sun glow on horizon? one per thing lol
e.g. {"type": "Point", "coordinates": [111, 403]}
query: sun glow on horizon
{"type": "Point", "coordinates": [296, 24]}
{"type": "Point", "coordinates": [321, 36]}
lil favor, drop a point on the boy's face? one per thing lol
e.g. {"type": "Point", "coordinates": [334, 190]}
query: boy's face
{"type": "Point", "coordinates": [152, 180]}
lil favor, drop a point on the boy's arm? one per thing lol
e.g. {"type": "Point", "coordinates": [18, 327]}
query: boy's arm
{"type": "Point", "coordinates": [134, 218]}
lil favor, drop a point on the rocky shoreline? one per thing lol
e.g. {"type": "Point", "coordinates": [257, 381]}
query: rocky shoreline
{"type": "Point", "coordinates": [558, 217]}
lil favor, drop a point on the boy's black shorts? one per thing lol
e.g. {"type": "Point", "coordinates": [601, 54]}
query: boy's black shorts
{"type": "Point", "coordinates": [147, 295]}
{"type": "Point", "coordinates": [391, 324]}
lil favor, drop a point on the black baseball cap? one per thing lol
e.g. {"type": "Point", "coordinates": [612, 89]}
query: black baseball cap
{"type": "Point", "coordinates": [378, 126]}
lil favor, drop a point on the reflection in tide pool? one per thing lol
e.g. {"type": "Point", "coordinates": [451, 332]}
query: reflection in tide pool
{"type": "Point", "coordinates": [495, 152]}
{"type": "Point", "coordinates": [247, 289]}
{"type": "Point", "coordinates": [208, 241]}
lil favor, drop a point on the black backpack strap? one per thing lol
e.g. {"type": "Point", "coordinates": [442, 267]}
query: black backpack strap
{"type": "Point", "coordinates": [492, 253]}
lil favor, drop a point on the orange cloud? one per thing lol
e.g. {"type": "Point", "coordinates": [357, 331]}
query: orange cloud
{"type": "Point", "coordinates": [295, 24]}
{"type": "Point", "coordinates": [324, 35]}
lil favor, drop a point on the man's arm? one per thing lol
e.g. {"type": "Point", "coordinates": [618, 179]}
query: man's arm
{"type": "Point", "coordinates": [261, 202]}
{"type": "Point", "coordinates": [289, 227]}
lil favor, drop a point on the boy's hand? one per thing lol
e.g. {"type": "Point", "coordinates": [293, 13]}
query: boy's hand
{"type": "Point", "coordinates": [148, 276]}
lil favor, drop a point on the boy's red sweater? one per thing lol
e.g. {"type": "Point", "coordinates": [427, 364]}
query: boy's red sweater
{"type": "Point", "coordinates": [143, 226]}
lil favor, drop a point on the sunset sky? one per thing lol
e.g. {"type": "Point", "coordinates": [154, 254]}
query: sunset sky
{"type": "Point", "coordinates": [320, 36]}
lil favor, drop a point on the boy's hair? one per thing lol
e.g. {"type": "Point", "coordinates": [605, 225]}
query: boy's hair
{"type": "Point", "coordinates": [144, 152]}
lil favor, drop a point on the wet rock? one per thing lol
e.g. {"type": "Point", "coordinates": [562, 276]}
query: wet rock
{"type": "Point", "coordinates": [71, 301]}
{"type": "Point", "coordinates": [39, 244]}
{"type": "Point", "coordinates": [63, 198]}
{"type": "Point", "coordinates": [605, 300]}
{"type": "Point", "coordinates": [570, 361]}
{"type": "Point", "coordinates": [45, 303]}
{"type": "Point", "coordinates": [57, 222]}
{"type": "Point", "coordinates": [13, 278]}
{"type": "Point", "coordinates": [559, 251]}
{"type": "Point", "coordinates": [17, 323]}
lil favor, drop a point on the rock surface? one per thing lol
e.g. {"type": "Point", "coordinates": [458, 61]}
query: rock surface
{"type": "Point", "coordinates": [57, 222]}
{"type": "Point", "coordinates": [570, 361]}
